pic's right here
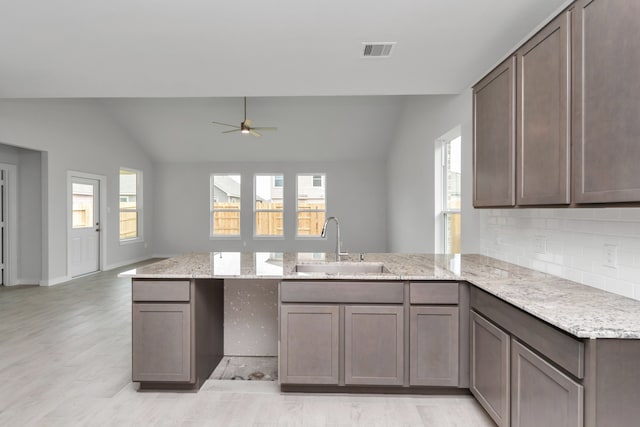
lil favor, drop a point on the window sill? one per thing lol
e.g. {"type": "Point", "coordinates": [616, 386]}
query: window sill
{"type": "Point", "coordinates": [310, 238]}
{"type": "Point", "coordinates": [224, 237]}
{"type": "Point", "coordinates": [131, 241]}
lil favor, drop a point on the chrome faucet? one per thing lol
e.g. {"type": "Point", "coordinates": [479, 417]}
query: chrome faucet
{"type": "Point", "coordinates": [339, 252]}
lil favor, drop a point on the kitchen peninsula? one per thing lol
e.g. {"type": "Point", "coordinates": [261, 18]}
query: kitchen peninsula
{"type": "Point", "coordinates": [434, 323]}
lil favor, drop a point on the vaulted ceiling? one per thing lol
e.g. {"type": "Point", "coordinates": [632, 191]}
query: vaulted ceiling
{"type": "Point", "coordinates": [197, 58]}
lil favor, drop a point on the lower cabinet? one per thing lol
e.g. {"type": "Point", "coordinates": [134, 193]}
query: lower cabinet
{"type": "Point", "coordinates": [374, 345]}
{"type": "Point", "coordinates": [541, 395]}
{"type": "Point", "coordinates": [313, 345]}
{"type": "Point", "coordinates": [433, 345]}
{"type": "Point", "coordinates": [161, 339]}
{"type": "Point", "coordinates": [490, 374]}
{"type": "Point", "coordinates": [309, 337]}
{"type": "Point", "coordinates": [516, 386]}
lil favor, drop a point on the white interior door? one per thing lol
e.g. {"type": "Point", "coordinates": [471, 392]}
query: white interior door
{"type": "Point", "coordinates": [84, 241]}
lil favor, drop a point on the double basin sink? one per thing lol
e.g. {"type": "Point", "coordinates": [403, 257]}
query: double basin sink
{"type": "Point", "coordinates": [353, 268]}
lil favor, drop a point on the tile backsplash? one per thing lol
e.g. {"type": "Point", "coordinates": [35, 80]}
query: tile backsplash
{"type": "Point", "coordinates": [599, 247]}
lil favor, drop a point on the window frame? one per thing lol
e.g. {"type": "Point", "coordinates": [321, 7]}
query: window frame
{"type": "Point", "coordinates": [446, 212]}
{"type": "Point", "coordinates": [297, 195]}
{"type": "Point", "coordinates": [212, 210]}
{"type": "Point", "coordinates": [139, 209]}
{"type": "Point", "coordinates": [257, 236]}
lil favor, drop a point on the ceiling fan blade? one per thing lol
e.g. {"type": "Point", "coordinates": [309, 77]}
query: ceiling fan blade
{"type": "Point", "coordinates": [265, 128]}
{"type": "Point", "coordinates": [247, 122]}
{"type": "Point", "coordinates": [234, 130]}
{"type": "Point", "coordinates": [254, 133]}
{"type": "Point", "coordinates": [226, 124]}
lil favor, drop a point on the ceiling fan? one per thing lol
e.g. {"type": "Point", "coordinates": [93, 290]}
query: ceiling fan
{"type": "Point", "coordinates": [245, 126]}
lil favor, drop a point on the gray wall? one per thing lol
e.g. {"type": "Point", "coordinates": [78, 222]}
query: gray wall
{"type": "Point", "coordinates": [411, 172]}
{"type": "Point", "coordinates": [356, 194]}
{"type": "Point", "coordinates": [76, 135]}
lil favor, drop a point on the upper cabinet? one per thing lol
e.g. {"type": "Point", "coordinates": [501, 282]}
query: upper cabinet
{"type": "Point", "coordinates": [576, 123]}
{"type": "Point", "coordinates": [606, 101]}
{"type": "Point", "coordinates": [494, 137]}
{"type": "Point", "coordinates": [543, 107]}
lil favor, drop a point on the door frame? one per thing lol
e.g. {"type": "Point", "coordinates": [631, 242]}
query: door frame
{"type": "Point", "coordinates": [11, 242]}
{"type": "Point", "coordinates": [102, 202]}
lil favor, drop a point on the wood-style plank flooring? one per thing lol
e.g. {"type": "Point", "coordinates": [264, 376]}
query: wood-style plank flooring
{"type": "Point", "coordinates": [65, 360]}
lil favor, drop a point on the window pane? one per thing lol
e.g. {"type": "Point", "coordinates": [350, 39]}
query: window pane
{"type": "Point", "coordinates": [128, 225]}
{"type": "Point", "coordinates": [310, 197]}
{"type": "Point", "coordinates": [129, 204]}
{"type": "Point", "coordinates": [268, 195]}
{"type": "Point", "coordinates": [128, 189]}
{"type": "Point", "coordinates": [226, 223]}
{"type": "Point", "coordinates": [452, 198]}
{"type": "Point", "coordinates": [82, 200]}
{"type": "Point", "coordinates": [269, 224]}
{"type": "Point", "coordinates": [311, 204]}
{"type": "Point", "coordinates": [225, 204]}
{"type": "Point", "coordinates": [452, 233]}
{"type": "Point", "coordinates": [225, 191]}
{"type": "Point", "coordinates": [310, 223]}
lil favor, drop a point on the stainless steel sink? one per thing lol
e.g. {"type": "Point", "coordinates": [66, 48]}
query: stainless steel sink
{"type": "Point", "coordinates": [343, 268]}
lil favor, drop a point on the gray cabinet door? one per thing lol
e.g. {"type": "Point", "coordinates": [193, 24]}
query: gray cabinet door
{"type": "Point", "coordinates": [309, 337]}
{"type": "Point", "coordinates": [494, 137]}
{"type": "Point", "coordinates": [606, 62]}
{"type": "Point", "coordinates": [490, 368]}
{"type": "Point", "coordinates": [161, 338]}
{"type": "Point", "coordinates": [543, 109]}
{"type": "Point", "coordinates": [433, 346]}
{"type": "Point", "coordinates": [374, 345]}
{"type": "Point", "coordinates": [541, 395]}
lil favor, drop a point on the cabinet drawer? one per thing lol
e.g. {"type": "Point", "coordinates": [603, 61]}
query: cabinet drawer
{"type": "Point", "coordinates": [342, 292]}
{"type": "Point", "coordinates": [433, 293]}
{"type": "Point", "coordinates": [165, 290]}
{"type": "Point", "coordinates": [564, 350]}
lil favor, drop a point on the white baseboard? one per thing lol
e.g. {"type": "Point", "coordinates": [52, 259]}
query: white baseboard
{"type": "Point", "coordinates": [127, 262]}
{"type": "Point", "coordinates": [55, 281]}
{"type": "Point", "coordinates": [22, 282]}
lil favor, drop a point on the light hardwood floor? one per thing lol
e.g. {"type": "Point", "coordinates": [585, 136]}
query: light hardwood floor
{"type": "Point", "coordinates": [65, 360]}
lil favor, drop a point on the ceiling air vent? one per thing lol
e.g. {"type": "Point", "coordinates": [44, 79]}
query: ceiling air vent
{"type": "Point", "coordinates": [377, 49]}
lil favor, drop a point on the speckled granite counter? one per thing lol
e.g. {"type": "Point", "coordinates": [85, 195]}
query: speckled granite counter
{"type": "Point", "coordinates": [580, 310]}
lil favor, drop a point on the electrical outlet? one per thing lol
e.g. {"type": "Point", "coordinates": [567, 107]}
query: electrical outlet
{"type": "Point", "coordinates": [540, 244]}
{"type": "Point", "coordinates": [610, 256]}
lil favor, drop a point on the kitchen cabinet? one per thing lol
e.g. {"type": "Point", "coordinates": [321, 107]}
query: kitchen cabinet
{"type": "Point", "coordinates": [606, 60]}
{"type": "Point", "coordinates": [342, 333]}
{"type": "Point", "coordinates": [162, 342]}
{"type": "Point", "coordinates": [177, 331]}
{"type": "Point", "coordinates": [543, 111]}
{"type": "Point", "coordinates": [434, 335]}
{"type": "Point", "coordinates": [309, 337]}
{"type": "Point", "coordinates": [542, 395]}
{"type": "Point", "coordinates": [374, 345]}
{"type": "Point", "coordinates": [490, 368]}
{"type": "Point", "coordinates": [494, 118]}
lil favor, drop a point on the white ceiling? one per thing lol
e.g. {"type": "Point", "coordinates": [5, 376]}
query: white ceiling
{"type": "Point", "coordinates": [208, 48]}
{"type": "Point", "coordinates": [170, 67]}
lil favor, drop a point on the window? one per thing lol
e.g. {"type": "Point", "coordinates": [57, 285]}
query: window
{"type": "Point", "coordinates": [311, 204]}
{"type": "Point", "coordinates": [269, 205]}
{"type": "Point", "coordinates": [225, 205]}
{"type": "Point", "coordinates": [82, 200]}
{"type": "Point", "coordinates": [451, 201]}
{"type": "Point", "coordinates": [130, 204]}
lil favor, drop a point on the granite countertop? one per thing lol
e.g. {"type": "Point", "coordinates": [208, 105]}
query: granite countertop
{"type": "Point", "coordinates": [580, 310]}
